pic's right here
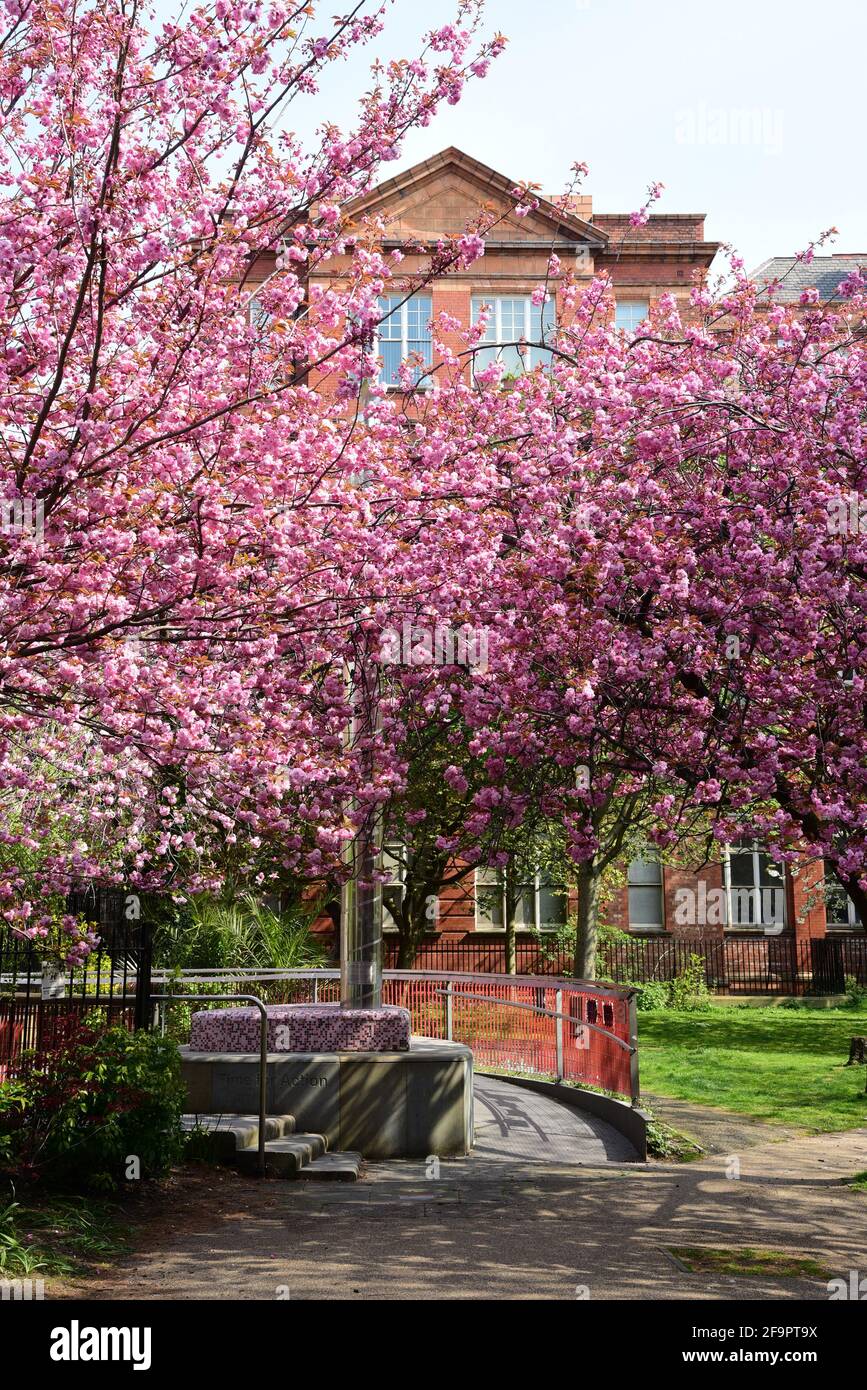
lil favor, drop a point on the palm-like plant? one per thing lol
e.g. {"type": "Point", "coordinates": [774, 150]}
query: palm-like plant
{"type": "Point", "coordinates": [244, 933]}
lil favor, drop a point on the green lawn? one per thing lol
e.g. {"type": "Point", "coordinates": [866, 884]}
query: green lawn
{"type": "Point", "coordinates": [783, 1065]}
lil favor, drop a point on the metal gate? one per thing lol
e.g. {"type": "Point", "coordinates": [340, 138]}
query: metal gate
{"type": "Point", "coordinates": [828, 971]}
{"type": "Point", "coordinates": [40, 1002]}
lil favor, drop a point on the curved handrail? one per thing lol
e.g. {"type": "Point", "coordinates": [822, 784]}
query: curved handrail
{"type": "Point", "coordinates": [537, 1009]}
{"type": "Point", "coordinates": [207, 973]}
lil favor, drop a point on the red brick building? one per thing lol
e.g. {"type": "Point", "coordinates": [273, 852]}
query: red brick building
{"type": "Point", "coordinates": [744, 894]}
{"type": "Point", "coordinates": [444, 194]}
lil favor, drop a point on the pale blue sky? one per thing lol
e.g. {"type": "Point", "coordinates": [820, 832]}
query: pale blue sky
{"type": "Point", "coordinates": [752, 111]}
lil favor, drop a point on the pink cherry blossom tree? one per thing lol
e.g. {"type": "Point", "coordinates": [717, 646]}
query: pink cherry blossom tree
{"type": "Point", "coordinates": [182, 519]}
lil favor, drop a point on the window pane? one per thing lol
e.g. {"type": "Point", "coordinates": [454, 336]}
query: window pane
{"type": "Point", "coordinates": [484, 357]}
{"type": "Point", "coordinates": [836, 903]}
{"type": "Point", "coordinates": [392, 857]}
{"type": "Point", "coordinates": [513, 319]}
{"type": "Point", "coordinates": [539, 357]}
{"type": "Point", "coordinates": [525, 908]}
{"type": "Point", "coordinates": [552, 905]}
{"type": "Point", "coordinates": [645, 871]}
{"type": "Point", "coordinates": [543, 321]}
{"type": "Point", "coordinates": [630, 313]}
{"type": "Point", "coordinates": [770, 874]}
{"type": "Point", "coordinates": [418, 315]}
{"type": "Point", "coordinates": [406, 331]}
{"type": "Point", "coordinates": [645, 907]}
{"type": "Point", "coordinates": [390, 328]}
{"type": "Point", "coordinates": [393, 889]}
{"type": "Point", "coordinates": [742, 868]}
{"type": "Point", "coordinates": [258, 316]}
{"type": "Point", "coordinates": [489, 899]}
{"type": "Point", "coordinates": [478, 305]}
{"type": "Point", "coordinates": [746, 907]}
{"type": "Point", "coordinates": [758, 889]}
{"type": "Point", "coordinates": [391, 360]}
{"type": "Point", "coordinates": [839, 907]}
{"type": "Point", "coordinates": [514, 364]}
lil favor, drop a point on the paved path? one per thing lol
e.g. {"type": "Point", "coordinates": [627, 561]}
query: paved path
{"type": "Point", "coordinates": [500, 1226]}
{"type": "Point", "coordinates": [718, 1131]}
{"type": "Point", "coordinates": [516, 1126]}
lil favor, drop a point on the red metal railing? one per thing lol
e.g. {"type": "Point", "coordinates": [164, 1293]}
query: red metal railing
{"type": "Point", "coordinates": [576, 1030]}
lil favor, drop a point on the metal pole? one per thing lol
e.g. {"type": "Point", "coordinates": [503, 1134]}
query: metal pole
{"type": "Point", "coordinates": [449, 1012]}
{"type": "Point", "coordinates": [558, 1032]}
{"type": "Point", "coordinates": [634, 1087]}
{"type": "Point", "coordinates": [361, 894]}
{"type": "Point", "coordinates": [143, 977]}
{"type": "Point", "coordinates": [263, 1047]}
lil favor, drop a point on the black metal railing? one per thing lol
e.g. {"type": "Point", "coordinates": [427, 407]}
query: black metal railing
{"type": "Point", "coordinates": [42, 996]}
{"type": "Point", "coordinates": [748, 965]}
{"type": "Point", "coordinates": [732, 965]}
{"type": "Point", "coordinates": [477, 953]}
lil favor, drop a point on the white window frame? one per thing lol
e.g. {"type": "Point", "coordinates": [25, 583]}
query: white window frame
{"type": "Point", "coordinates": [533, 315]}
{"type": "Point", "coordinates": [756, 851]}
{"type": "Point", "coordinates": [402, 312]}
{"type": "Point", "coordinates": [657, 927]}
{"type": "Point", "coordinates": [630, 304]}
{"type": "Point", "coordinates": [852, 923]}
{"type": "Point", "coordinates": [538, 886]}
{"type": "Point", "coordinates": [388, 922]}
{"type": "Point", "coordinates": [257, 316]}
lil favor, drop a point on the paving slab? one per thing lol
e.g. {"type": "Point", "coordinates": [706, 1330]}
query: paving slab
{"type": "Point", "coordinates": [488, 1229]}
{"type": "Point", "coordinates": [515, 1126]}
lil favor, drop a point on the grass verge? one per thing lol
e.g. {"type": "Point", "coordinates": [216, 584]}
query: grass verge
{"type": "Point", "coordinates": [706, 1259]}
{"type": "Point", "coordinates": [782, 1065]}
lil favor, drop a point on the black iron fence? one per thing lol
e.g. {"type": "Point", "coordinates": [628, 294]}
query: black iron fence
{"type": "Point", "coordinates": [39, 1003]}
{"type": "Point", "coordinates": [733, 965]}
{"type": "Point", "coordinates": [42, 996]}
{"type": "Point", "coordinates": [751, 965]}
{"type": "Point", "coordinates": [478, 953]}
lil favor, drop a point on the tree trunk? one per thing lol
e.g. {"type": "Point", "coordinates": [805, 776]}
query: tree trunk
{"type": "Point", "coordinates": [414, 917]}
{"type": "Point", "coordinates": [856, 893]}
{"type": "Point", "coordinates": [407, 943]}
{"type": "Point", "coordinates": [406, 951]}
{"type": "Point", "coordinates": [588, 920]}
{"type": "Point", "coordinates": [857, 1050]}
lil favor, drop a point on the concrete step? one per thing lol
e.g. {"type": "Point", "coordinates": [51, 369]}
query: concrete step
{"type": "Point", "coordinates": [235, 1139]}
{"type": "Point", "coordinates": [233, 1134]}
{"type": "Point", "coordinates": [333, 1167]}
{"type": "Point", "coordinates": [288, 1156]}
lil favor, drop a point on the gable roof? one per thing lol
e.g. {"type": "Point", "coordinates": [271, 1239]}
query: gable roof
{"type": "Point", "coordinates": [488, 182]}
{"type": "Point", "coordinates": [823, 273]}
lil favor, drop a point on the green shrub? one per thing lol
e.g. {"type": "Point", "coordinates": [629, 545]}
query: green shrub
{"type": "Point", "coordinates": [856, 994]}
{"type": "Point", "coordinates": [688, 990]}
{"type": "Point", "coordinates": [665, 1142]}
{"type": "Point", "coordinates": [79, 1115]}
{"type": "Point", "coordinates": [653, 995]}
{"type": "Point", "coordinates": [242, 932]}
